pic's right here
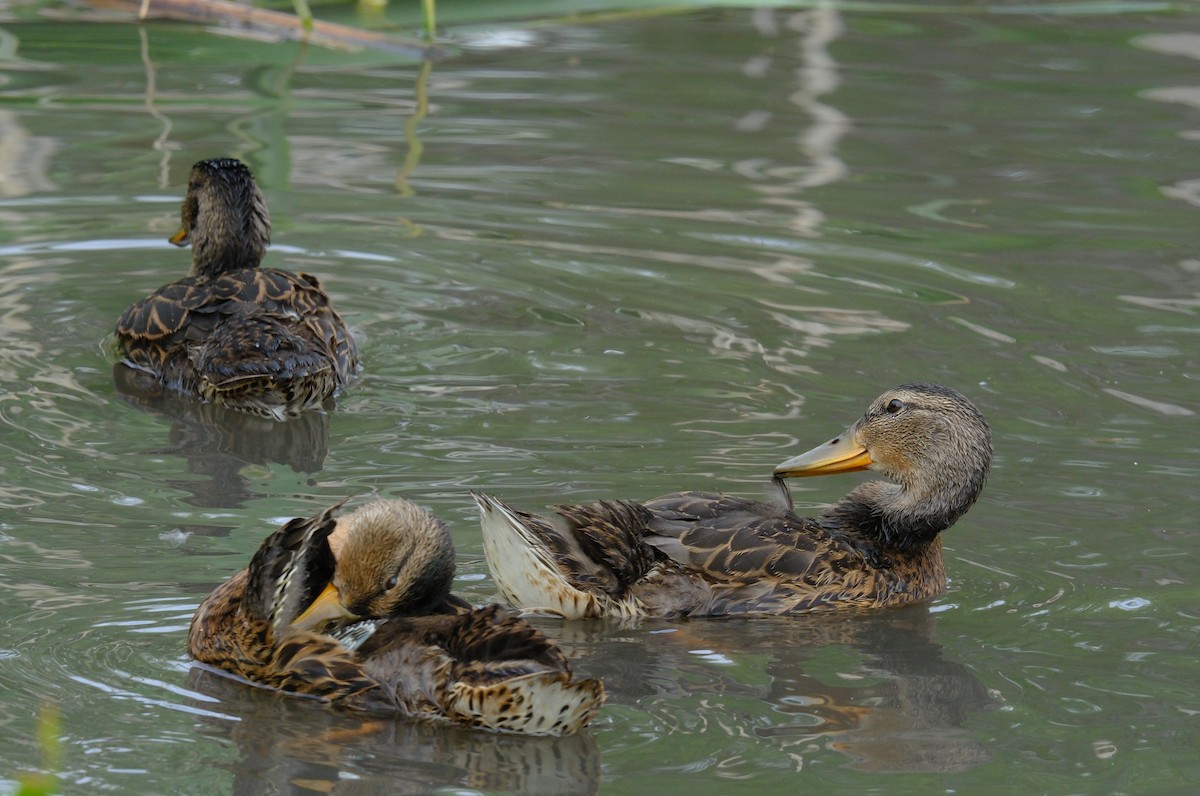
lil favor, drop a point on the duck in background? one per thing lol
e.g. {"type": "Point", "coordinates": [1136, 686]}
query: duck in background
{"type": "Point", "coordinates": [358, 612]}
{"type": "Point", "coordinates": [261, 340]}
{"type": "Point", "coordinates": [705, 554]}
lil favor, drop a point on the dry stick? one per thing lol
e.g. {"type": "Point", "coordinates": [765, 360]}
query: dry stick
{"type": "Point", "coordinates": [235, 16]}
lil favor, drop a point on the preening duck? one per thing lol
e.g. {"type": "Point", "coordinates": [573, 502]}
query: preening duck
{"type": "Point", "coordinates": [375, 628]}
{"type": "Point", "coordinates": [262, 340]}
{"type": "Point", "coordinates": [705, 554]}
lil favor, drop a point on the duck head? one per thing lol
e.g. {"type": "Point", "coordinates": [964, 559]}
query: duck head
{"type": "Point", "coordinates": [928, 441]}
{"type": "Point", "coordinates": [224, 217]}
{"type": "Point", "coordinates": [394, 558]}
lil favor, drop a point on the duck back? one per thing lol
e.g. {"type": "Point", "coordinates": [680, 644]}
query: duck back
{"type": "Point", "coordinates": [262, 340]}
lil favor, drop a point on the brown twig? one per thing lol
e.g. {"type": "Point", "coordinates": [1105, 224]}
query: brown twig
{"type": "Point", "coordinates": [260, 21]}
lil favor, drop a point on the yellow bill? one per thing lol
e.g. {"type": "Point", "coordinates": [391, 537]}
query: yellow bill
{"type": "Point", "coordinates": [328, 606]}
{"type": "Point", "coordinates": [842, 454]}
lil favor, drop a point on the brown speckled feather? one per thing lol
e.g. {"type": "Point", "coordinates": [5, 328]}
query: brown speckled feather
{"type": "Point", "coordinates": [262, 340]}
{"type": "Point", "coordinates": [771, 560]}
{"type": "Point", "coordinates": [474, 667]}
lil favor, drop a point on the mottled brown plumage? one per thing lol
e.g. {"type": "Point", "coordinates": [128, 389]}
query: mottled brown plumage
{"type": "Point", "coordinates": [261, 340]}
{"type": "Point", "coordinates": [376, 628]}
{"type": "Point", "coordinates": [705, 554]}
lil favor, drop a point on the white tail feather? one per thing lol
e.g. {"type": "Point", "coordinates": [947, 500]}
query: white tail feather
{"type": "Point", "coordinates": [523, 567]}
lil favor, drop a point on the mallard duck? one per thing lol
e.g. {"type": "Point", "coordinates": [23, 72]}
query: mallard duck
{"type": "Point", "coordinates": [261, 340]}
{"type": "Point", "coordinates": [376, 628]}
{"type": "Point", "coordinates": [703, 554]}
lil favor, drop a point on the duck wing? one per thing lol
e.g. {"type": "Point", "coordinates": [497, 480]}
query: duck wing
{"type": "Point", "coordinates": [287, 296]}
{"type": "Point", "coordinates": [153, 330]}
{"type": "Point", "coordinates": [484, 668]}
{"type": "Point", "coordinates": [582, 561]}
{"type": "Point", "coordinates": [599, 545]}
{"type": "Point", "coordinates": [289, 569]}
{"type": "Point", "coordinates": [719, 533]}
{"type": "Point", "coordinates": [262, 363]}
{"type": "Point", "coordinates": [236, 626]}
{"type": "Point", "coordinates": [760, 557]}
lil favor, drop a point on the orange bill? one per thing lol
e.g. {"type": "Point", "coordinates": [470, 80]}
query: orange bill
{"type": "Point", "coordinates": [842, 454]}
{"type": "Point", "coordinates": [326, 607]}
{"type": "Point", "coordinates": [180, 238]}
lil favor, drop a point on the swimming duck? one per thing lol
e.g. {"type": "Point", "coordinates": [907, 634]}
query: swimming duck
{"type": "Point", "coordinates": [262, 340]}
{"type": "Point", "coordinates": [704, 554]}
{"type": "Point", "coordinates": [376, 628]}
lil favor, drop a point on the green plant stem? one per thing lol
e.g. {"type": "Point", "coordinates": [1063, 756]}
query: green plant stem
{"type": "Point", "coordinates": [429, 11]}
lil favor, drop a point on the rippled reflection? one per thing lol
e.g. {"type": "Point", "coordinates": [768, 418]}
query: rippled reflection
{"type": "Point", "coordinates": [217, 442]}
{"type": "Point", "coordinates": [878, 689]}
{"type": "Point", "coordinates": [290, 745]}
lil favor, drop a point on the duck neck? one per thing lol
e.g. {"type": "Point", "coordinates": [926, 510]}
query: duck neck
{"type": "Point", "coordinates": [230, 238]}
{"type": "Point", "coordinates": [214, 255]}
{"type": "Point", "coordinates": [900, 518]}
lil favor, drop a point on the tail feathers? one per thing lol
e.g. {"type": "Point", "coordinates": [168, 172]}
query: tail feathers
{"type": "Point", "coordinates": [582, 565]}
{"type": "Point", "coordinates": [489, 669]}
{"type": "Point", "coordinates": [523, 565]}
{"type": "Point", "coordinates": [540, 703]}
{"type": "Point", "coordinates": [509, 676]}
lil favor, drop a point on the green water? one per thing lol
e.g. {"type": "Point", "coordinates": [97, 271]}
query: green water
{"type": "Point", "coordinates": [616, 259]}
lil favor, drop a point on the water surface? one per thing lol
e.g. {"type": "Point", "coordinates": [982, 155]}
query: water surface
{"type": "Point", "coordinates": [615, 260]}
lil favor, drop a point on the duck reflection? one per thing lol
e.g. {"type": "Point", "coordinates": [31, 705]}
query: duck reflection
{"type": "Point", "coordinates": [299, 747]}
{"type": "Point", "coordinates": [217, 442]}
{"type": "Point", "coordinates": [875, 687]}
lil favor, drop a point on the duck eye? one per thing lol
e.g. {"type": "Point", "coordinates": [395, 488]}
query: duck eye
{"type": "Point", "coordinates": [894, 406]}
{"type": "Point", "coordinates": [391, 582]}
